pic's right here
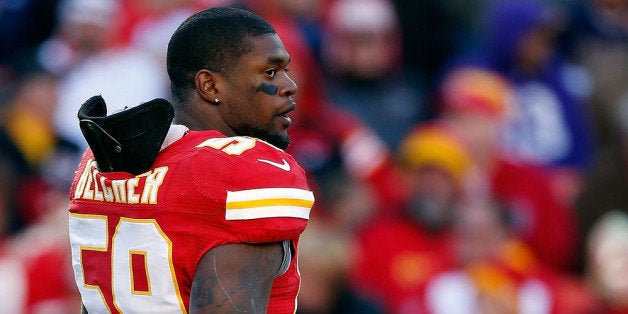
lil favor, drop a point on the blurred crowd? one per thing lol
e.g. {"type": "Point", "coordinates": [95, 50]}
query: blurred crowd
{"type": "Point", "coordinates": [467, 156]}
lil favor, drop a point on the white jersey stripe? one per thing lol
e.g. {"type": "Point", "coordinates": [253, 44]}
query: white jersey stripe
{"type": "Point", "coordinates": [268, 212]}
{"type": "Point", "coordinates": [268, 202]}
{"type": "Point", "coordinates": [267, 193]}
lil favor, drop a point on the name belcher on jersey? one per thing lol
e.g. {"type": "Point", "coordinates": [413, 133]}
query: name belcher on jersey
{"type": "Point", "coordinates": [142, 189]}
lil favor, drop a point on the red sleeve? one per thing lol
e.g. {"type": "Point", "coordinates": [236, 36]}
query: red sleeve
{"type": "Point", "coordinates": [542, 221]}
{"type": "Point", "coordinates": [260, 195]}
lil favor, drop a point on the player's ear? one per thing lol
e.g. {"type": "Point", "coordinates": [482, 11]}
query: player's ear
{"type": "Point", "coordinates": [205, 81]}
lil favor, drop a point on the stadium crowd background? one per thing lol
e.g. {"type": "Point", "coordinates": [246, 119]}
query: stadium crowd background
{"type": "Point", "coordinates": [468, 156]}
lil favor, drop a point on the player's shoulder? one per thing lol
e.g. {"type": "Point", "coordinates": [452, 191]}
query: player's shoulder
{"type": "Point", "coordinates": [237, 150]}
{"type": "Point", "coordinates": [212, 141]}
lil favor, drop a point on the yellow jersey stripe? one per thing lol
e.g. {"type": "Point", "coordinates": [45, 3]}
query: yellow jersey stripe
{"type": "Point", "coordinates": [265, 193]}
{"type": "Point", "coordinates": [268, 202]}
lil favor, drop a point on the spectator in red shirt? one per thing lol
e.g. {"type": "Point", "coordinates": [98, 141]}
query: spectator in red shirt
{"type": "Point", "coordinates": [476, 104]}
{"type": "Point", "coordinates": [414, 246]}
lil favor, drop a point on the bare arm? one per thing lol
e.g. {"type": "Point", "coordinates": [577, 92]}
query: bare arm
{"type": "Point", "coordinates": [235, 278]}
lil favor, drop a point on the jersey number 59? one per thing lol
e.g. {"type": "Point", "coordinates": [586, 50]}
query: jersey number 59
{"type": "Point", "coordinates": [149, 288]}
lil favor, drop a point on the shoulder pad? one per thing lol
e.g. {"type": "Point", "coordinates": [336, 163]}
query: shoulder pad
{"type": "Point", "coordinates": [126, 141]}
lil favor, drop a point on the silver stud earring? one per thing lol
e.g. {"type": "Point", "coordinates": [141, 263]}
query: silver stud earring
{"type": "Point", "coordinates": [216, 100]}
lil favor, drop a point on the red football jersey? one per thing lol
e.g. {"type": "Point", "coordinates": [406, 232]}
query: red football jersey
{"type": "Point", "coordinates": [136, 240]}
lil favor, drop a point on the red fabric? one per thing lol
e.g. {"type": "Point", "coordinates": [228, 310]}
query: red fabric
{"type": "Point", "coordinates": [191, 210]}
{"type": "Point", "coordinates": [395, 259]}
{"type": "Point", "coordinates": [48, 276]}
{"type": "Point", "coordinates": [539, 219]}
{"type": "Point", "coordinates": [38, 273]}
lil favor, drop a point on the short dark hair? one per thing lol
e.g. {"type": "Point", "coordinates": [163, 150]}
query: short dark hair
{"type": "Point", "coordinates": [212, 39]}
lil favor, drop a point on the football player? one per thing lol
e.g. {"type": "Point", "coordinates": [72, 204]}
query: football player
{"type": "Point", "coordinates": [202, 215]}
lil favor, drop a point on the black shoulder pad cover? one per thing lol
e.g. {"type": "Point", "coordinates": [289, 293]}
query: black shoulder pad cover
{"type": "Point", "coordinates": [126, 141]}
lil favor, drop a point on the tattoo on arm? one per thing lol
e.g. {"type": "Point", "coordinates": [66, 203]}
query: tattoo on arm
{"type": "Point", "coordinates": [235, 278]}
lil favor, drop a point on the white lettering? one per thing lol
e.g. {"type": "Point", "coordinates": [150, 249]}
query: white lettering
{"type": "Point", "coordinates": [94, 185]}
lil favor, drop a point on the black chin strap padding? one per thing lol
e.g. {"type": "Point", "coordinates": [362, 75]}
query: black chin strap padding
{"type": "Point", "coordinates": [126, 141]}
{"type": "Point", "coordinates": [98, 139]}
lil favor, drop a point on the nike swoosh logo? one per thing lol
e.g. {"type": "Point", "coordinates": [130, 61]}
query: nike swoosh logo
{"type": "Point", "coordinates": [285, 166]}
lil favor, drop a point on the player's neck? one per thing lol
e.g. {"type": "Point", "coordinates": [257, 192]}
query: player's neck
{"type": "Point", "coordinates": [202, 117]}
